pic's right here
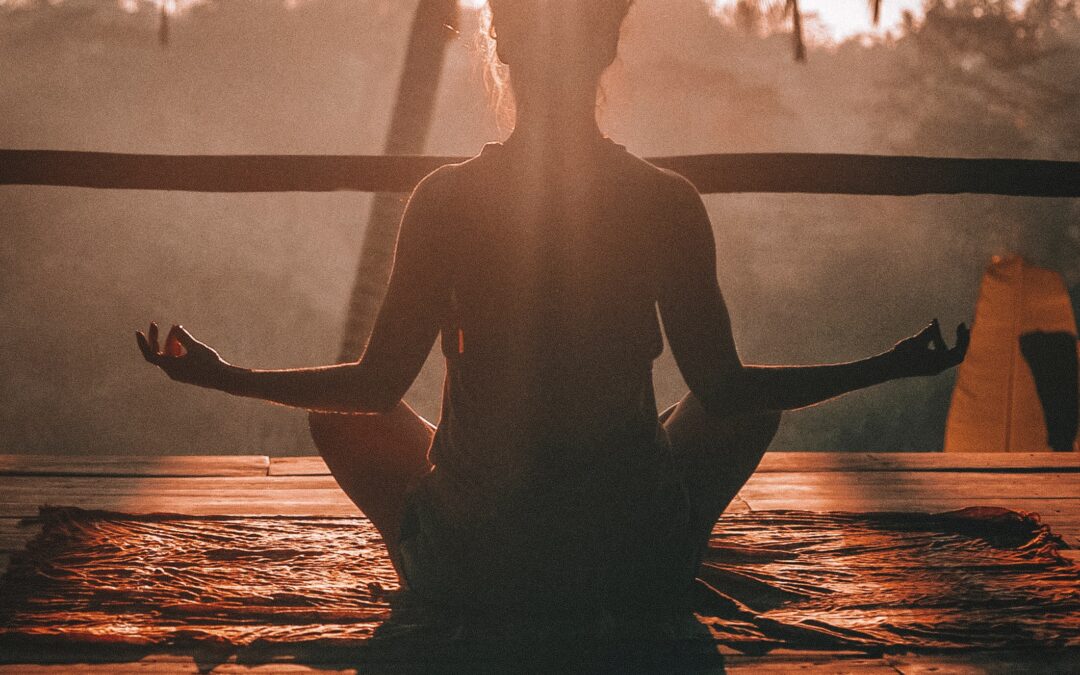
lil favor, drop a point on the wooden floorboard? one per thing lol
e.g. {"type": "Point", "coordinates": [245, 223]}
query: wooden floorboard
{"type": "Point", "coordinates": [1060, 662]}
{"type": "Point", "coordinates": [172, 665]}
{"type": "Point", "coordinates": [791, 485]}
{"type": "Point", "coordinates": [815, 462]}
{"type": "Point", "coordinates": [774, 462]}
{"type": "Point", "coordinates": [298, 466]}
{"type": "Point", "coordinates": [1054, 495]}
{"type": "Point", "coordinates": [829, 462]}
{"type": "Point", "coordinates": [133, 465]}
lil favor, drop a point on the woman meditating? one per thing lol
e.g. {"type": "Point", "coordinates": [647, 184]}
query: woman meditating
{"type": "Point", "coordinates": [545, 266]}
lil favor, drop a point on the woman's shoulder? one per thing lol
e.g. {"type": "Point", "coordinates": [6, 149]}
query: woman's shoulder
{"type": "Point", "coordinates": [659, 181]}
{"type": "Point", "coordinates": [496, 160]}
{"type": "Point", "coordinates": [448, 179]}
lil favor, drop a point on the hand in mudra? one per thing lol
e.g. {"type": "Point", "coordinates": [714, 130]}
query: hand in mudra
{"type": "Point", "coordinates": [183, 358]}
{"type": "Point", "coordinates": [927, 354]}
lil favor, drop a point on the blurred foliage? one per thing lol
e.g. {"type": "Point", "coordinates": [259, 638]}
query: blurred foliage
{"type": "Point", "coordinates": [982, 77]}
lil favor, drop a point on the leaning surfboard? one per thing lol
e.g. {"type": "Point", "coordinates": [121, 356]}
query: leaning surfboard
{"type": "Point", "coordinates": [1017, 389]}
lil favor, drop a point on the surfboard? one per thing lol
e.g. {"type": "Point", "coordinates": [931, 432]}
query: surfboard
{"type": "Point", "coordinates": [996, 405]}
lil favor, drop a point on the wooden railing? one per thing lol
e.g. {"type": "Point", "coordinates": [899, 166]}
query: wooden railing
{"type": "Point", "coordinates": [762, 172]}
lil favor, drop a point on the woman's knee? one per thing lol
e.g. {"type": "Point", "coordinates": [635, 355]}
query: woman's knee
{"type": "Point", "coordinates": [392, 442]}
{"type": "Point", "coordinates": [690, 414]}
{"type": "Point", "coordinates": [336, 434]}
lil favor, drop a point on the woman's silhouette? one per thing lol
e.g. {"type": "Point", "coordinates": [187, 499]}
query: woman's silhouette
{"type": "Point", "coordinates": [543, 264]}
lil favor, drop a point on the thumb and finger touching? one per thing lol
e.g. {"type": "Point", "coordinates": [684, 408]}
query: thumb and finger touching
{"type": "Point", "coordinates": [179, 342]}
{"type": "Point", "coordinates": [928, 346]}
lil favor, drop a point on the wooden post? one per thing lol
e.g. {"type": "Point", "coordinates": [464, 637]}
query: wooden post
{"type": "Point", "coordinates": [434, 24]}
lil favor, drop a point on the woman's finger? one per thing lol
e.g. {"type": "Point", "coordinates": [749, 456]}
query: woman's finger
{"type": "Point", "coordinates": [924, 337]}
{"type": "Point", "coordinates": [152, 337]}
{"type": "Point", "coordinates": [144, 347]}
{"type": "Point", "coordinates": [185, 337]}
{"type": "Point", "coordinates": [935, 336]}
{"type": "Point", "coordinates": [173, 344]}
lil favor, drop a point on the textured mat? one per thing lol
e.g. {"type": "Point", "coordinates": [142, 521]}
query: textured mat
{"type": "Point", "coordinates": [872, 582]}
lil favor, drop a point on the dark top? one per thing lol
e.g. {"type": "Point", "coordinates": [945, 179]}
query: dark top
{"type": "Point", "coordinates": [552, 476]}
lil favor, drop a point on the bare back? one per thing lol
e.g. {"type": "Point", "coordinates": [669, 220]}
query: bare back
{"type": "Point", "coordinates": [547, 286]}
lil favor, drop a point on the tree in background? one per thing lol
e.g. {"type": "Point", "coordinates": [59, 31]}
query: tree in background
{"type": "Point", "coordinates": [434, 24]}
{"type": "Point", "coordinates": [985, 78]}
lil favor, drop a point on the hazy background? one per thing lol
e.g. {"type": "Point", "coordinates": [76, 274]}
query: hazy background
{"type": "Point", "coordinates": [265, 278]}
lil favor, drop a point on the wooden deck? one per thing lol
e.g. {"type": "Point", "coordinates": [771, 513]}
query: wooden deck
{"type": "Point", "coordinates": [1048, 484]}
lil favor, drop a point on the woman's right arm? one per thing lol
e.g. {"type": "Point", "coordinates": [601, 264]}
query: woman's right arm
{"type": "Point", "coordinates": [401, 340]}
{"type": "Point", "coordinates": [698, 327]}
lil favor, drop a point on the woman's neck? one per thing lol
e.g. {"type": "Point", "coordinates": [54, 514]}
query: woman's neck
{"type": "Point", "coordinates": [561, 122]}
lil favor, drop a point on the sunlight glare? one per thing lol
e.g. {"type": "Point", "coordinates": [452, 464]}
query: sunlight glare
{"type": "Point", "coordinates": [838, 20]}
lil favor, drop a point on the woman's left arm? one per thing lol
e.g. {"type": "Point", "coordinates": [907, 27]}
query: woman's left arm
{"type": "Point", "coordinates": [401, 340]}
{"type": "Point", "coordinates": [793, 387]}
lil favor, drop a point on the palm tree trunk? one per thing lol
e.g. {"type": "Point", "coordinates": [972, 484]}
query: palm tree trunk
{"type": "Point", "coordinates": [798, 42]}
{"type": "Point", "coordinates": [432, 28]}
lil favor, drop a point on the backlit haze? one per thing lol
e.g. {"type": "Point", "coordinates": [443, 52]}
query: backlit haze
{"type": "Point", "coordinates": [836, 20]}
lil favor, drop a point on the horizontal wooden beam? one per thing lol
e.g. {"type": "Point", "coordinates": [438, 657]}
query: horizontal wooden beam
{"type": "Point", "coordinates": [731, 173]}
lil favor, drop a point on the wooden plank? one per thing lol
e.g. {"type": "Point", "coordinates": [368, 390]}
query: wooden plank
{"type": "Point", "coordinates": [952, 484]}
{"type": "Point", "coordinates": [820, 664]}
{"type": "Point", "coordinates": [792, 493]}
{"type": "Point", "coordinates": [298, 466]}
{"type": "Point", "coordinates": [1043, 662]}
{"type": "Point", "coordinates": [816, 462]}
{"type": "Point", "coordinates": [977, 663]}
{"type": "Point", "coordinates": [140, 484]}
{"type": "Point", "coordinates": [22, 496]}
{"type": "Point", "coordinates": [328, 504]}
{"type": "Point", "coordinates": [808, 173]}
{"type": "Point", "coordinates": [1047, 493]}
{"type": "Point", "coordinates": [336, 505]}
{"type": "Point", "coordinates": [812, 462]}
{"type": "Point", "coordinates": [1049, 509]}
{"type": "Point", "coordinates": [789, 486]}
{"type": "Point", "coordinates": [133, 465]}
{"type": "Point", "coordinates": [167, 665]}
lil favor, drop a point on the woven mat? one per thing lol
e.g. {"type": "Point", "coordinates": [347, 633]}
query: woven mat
{"type": "Point", "coordinates": [872, 582]}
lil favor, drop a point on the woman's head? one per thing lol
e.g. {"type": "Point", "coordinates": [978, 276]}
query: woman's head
{"type": "Point", "coordinates": [552, 47]}
{"type": "Point", "coordinates": [569, 33]}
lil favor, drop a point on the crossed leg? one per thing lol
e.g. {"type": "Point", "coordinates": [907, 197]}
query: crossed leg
{"type": "Point", "coordinates": [376, 459]}
{"type": "Point", "coordinates": [716, 456]}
